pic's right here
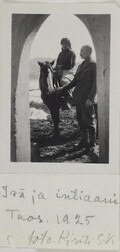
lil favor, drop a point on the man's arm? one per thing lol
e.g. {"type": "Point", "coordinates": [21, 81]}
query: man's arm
{"type": "Point", "coordinates": [73, 82]}
{"type": "Point", "coordinates": [68, 86]}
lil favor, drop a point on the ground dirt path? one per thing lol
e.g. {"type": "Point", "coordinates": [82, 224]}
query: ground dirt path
{"type": "Point", "coordinates": [46, 147]}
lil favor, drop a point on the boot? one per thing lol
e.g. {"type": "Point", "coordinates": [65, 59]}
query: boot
{"type": "Point", "coordinates": [84, 143]}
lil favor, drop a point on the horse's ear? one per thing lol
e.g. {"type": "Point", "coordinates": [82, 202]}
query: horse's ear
{"type": "Point", "coordinates": [40, 63]}
{"type": "Point", "coordinates": [52, 63]}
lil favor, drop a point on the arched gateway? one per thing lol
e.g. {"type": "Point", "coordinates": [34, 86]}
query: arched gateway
{"type": "Point", "coordinates": [24, 29]}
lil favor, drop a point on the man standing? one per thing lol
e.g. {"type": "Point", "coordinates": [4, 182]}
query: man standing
{"type": "Point", "coordinates": [84, 97]}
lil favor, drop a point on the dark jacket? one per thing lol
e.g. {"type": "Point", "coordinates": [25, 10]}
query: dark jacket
{"type": "Point", "coordinates": [84, 82]}
{"type": "Point", "coordinates": [66, 59]}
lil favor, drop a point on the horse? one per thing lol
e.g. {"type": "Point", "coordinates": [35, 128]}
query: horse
{"type": "Point", "coordinates": [50, 96]}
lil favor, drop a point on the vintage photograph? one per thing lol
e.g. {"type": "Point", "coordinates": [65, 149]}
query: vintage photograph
{"type": "Point", "coordinates": [60, 73]}
{"type": "Point", "coordinates": [59, 126]}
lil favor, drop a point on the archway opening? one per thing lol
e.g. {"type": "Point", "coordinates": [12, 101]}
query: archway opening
{"type": "Point", "coordinates": [46, 47]}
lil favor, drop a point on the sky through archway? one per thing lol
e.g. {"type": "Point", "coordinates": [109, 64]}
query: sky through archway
{"type": "Point", "coordinates": [47, 41]}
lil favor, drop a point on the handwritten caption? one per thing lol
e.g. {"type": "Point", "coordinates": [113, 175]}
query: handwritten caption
{"type": "Point", "coordinates": [59, 217]}
{"type": "Point", "coordinates": [72, 195]}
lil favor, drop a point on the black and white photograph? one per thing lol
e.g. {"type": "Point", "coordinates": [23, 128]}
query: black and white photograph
{"type": "Point", "coordinates": [59, 125]}
{"type": "Point", "coordinates": [60, 87]}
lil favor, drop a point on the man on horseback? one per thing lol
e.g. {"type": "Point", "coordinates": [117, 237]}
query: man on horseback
{"type": "Point", "coordinates": [65, 66]}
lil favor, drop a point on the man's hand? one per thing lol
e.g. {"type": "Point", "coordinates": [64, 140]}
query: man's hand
{"type": "Point", "coordinates": [88, 103]}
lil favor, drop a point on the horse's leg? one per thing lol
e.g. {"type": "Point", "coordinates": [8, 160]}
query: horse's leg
{"type": "Point", "coordinates": [55, 117]}
{"type": "Point", "coordinates": [64, 104]}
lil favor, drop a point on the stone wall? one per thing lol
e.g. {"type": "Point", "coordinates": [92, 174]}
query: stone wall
{"type": "Point", "coordinates": [24, 29]}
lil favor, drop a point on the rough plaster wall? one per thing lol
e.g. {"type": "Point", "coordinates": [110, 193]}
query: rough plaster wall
{"type": "Point", "coordinates": [99, 28]}
{"type": "Point", "coordinates": [23, 152]}
{"type": "Point", "coordinates": [24, 28]}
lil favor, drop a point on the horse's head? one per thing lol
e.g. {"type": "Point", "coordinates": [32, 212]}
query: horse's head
{"type": "Point", "coordinates": [43, 68]}
{"type": "Point", "coordinates": [46, 66]}
{"type": "Point", "coordinates": [45, 81]}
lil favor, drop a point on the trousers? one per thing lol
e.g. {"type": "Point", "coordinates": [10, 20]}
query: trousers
{"type": "Point", "coordinates": [85, 116]}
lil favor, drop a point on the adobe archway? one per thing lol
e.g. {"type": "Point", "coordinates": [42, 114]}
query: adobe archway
{"type": "Point", "coordinates": [25, 27]}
